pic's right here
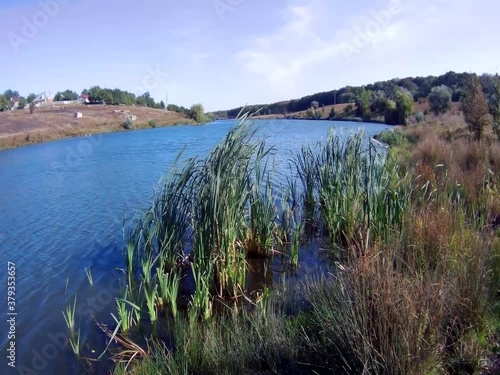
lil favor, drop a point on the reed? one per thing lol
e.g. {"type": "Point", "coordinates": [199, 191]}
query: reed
{"type": "Point", "coordinates": [262, 212]}
{"type": "Point", "coordinates": [201, 305]}
{"type": "Point", "coordinates": [69, 315]}
{"type": "Point", "coordinates": [89, 276]}
{"type": "Point", "coordinates": [297, 234]}
{"type": "Point", "coordinates": [125, 317]}
{"type": "Point", "coordinates": [151, 295]}
{"type": "Point", "coordinates": [169, 288]}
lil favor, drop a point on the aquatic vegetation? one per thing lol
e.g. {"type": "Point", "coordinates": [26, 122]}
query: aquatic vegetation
{"type": "Point", "coordinates": [410, 255]}
{"type": "Point", "coordinates": [201, 304]}
{"type": "Point", "coordinates": [127, 318]}
{"type": "Point", "coordinates": [169, 288]}
{"type": "Point", "coordinates": [69, 315]}
{"type": "Point", "coordinates": [89, 276]}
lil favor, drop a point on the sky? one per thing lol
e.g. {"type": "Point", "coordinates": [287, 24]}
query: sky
{"type": "Point", "coordinates": [228, 53]}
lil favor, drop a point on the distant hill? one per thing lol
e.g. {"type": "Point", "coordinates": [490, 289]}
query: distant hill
{"type": "Point", "coordinates": [419, 87]}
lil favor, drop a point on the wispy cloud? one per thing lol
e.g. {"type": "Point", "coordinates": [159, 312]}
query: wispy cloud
{"type": "Point", "coordinates": [299, 43]}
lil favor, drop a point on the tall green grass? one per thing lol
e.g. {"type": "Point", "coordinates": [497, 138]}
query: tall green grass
{"type": "Point", "coordinates": [410, 293]}
{"type": "Point", "coordinates": [357, 193]}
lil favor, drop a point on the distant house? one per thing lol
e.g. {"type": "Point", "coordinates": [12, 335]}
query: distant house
{"type": "Point", "coordinates": [42, 98]}
{"type": "Point", "coordinates": [83, 99]}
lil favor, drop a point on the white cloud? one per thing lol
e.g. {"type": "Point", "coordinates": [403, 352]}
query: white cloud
{"type": "Point", "coordinates": [299, 44]}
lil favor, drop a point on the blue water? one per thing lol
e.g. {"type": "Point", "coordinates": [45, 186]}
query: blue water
{"type": "Point", "coordinates": [62, 207]}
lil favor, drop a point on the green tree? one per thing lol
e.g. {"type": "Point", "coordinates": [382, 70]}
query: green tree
{"type": "Point", "coordinates": [22, 103]}
{"type": "Point", "coordinates": [9, 94]}
{"type": "Point", "coordinates": [440, 99]}
{"type": "Point", "coordinates": [162, 104]}
{"type": "Point", "coordinates": [362, 102]}
{"type": "Point", "coordinates": [332, 114]}
{"type": "Point", "coordinates": [65, 95]}
{"type": "Point", "coordinates": [390, 113]}
{"type": "Point", "coordinates": [198, 113]}
{"type": "Point", "coordinates": [495, 109]}
{"type": "Point", "coordinates": [4, 103]}
{"type": "Point", "coordinates": [475, 108]}
{"type": "Point", "coordinates": [348, 109]}
{"type": "Point", "coordinates": [30, 98]}
{"type": "Point", "coordinates": [404, 104]}
{"type": "Point", "coordinates": [96, 94]}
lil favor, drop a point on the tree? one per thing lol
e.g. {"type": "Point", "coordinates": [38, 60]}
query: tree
{"type": "Point", "coordinates": [495, 109]}
{"type": "Point", "coordinates": [363, 103]}
{"type": "Point", "coordinates": [162, 104]}
{"type": "Point", "coordinates": [30, 98]}
{"type": "Point", "coordinates": [198, 113]}
{"type": "Point", "coordinates": [475, 108]}
{"type": "Point", "coordinates": [65, 95]}
{"type": "Point", "coordinates": [390, 113]}
{"type": "Point", "coordinates": [96, 94]}
{"type": "Point", "coordinates": [404, 104]}
{"type": "Point", "coordinates": [333, 114]}
{"type": "Point", "coordinates": [22, 103]}
{"type": "Point", "coordinates": [315, 105]}
{"type": "Point", "coordinates": [9, 94]}
{"type": "Point", "coordinates": [440, 99]}
{"type": "Point", "coordinates": [32, 107]}
{"type": "Point", "coordinates": [348, 109]}
{"type": "Point", "coordinates": [4, 103]}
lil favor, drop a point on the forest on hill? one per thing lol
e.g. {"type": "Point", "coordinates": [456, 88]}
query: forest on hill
{"type": "Point", "coordinates": [387, 101]}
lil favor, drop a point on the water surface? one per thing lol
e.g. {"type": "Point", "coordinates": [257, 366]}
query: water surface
{"type": "Point", "coordinates": [62, 207]}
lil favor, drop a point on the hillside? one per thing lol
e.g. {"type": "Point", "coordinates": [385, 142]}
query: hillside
{"type": "Point", "coordinates": [370, 101]}
{"type": "Point", "coordinates": [19, 127]}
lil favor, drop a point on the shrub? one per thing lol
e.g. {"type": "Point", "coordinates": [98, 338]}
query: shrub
{"type": "Point", "coordinates": [129, 123]}
{"type": "Point", "coordinates": [152, 123]}
{"type": "Point", "coordinates": [198, 113]}
{"type": "Point", "coordinates": [333, 114]}
{"type": "Point", "coordinates": [419, 117]}
{"type": "Point", "coordinates": [475, 108]}
{"type": "Point", "coordinates": [32, 107]}
{"type": "Point", "coordinates": [440, 99]}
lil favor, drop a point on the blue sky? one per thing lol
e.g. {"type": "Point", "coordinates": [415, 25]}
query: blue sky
{"type": "Point", "coordinates": [226, 53]}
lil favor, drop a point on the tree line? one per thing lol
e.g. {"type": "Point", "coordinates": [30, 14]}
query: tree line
{"type": "Point", "coordinates": [390, 101]}
{"type": "Point", "coordinates": [96, 94]}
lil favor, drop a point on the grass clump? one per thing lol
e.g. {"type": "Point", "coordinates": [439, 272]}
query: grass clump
{"type": "Point", "coordinates": [412, 251]}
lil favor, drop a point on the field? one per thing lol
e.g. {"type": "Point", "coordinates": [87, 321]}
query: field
{"type": "Point", "coordinates": [19, 127]}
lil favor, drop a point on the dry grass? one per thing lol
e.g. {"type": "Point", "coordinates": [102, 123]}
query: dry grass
{"type": "Point", "coordinates": [19, 128]}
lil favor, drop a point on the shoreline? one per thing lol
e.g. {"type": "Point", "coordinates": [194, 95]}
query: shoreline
{"type": "Point", "coordinates": [20, 128]}
{"type": "Point", "coordinates": [90, 134]}
{"type": "Point", "coordinates": [118, 128]}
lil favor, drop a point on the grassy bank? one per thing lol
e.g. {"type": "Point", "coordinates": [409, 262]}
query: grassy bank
{"type": "Point", "coordinates": [20, 128]}
{"type": "Point", "coordinates": [412, 243]}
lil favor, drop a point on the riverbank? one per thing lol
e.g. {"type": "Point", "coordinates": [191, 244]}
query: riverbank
{"type": "Point", "coordinates": [20, 128]}
{"type": "Point", "coordinates": [413, 242]}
